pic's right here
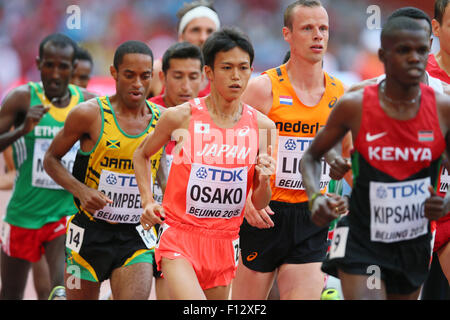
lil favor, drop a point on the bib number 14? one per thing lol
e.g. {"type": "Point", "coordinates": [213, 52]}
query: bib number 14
{"type": "Point", "coordinates": [74, 237]}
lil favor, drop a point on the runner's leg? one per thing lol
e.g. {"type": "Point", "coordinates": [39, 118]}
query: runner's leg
{"type": "Point", "coordinates": [133, 282]}
{"type": "Point", "coordinates": [250, 284]}
{"type": "Point", "coordinates": [444, 259]}
{"type": "Point", "coordinates": [78, 289]}
{"type": "Point", "coordinates": [181, 280]}
{"type": "Point", "coordinates": [300, 281]}
{"type": "Point", "coordinates": [14, 275]}
{"type": "Point", "coordinates": [41, 278]}
{"type": "Point", "coordinates": [54, 252]}
{"type": "Point", "coordinates": [354, 287]}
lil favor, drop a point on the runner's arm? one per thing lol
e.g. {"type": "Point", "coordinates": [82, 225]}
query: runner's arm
{"type": "Point", "coordinates": [169, 122]}
{"type": "Point", "coordinates": [338, 124]}
{"type": "Point", "coordinates": [15, 113]}
{"type": "Point", "coordinates": [163, 172]}
{"type": "Point", "coordinates": [79, 124]}
{"type": "Point", "coordinates": [258, 94]}
{"type": "Point", "coordinates": [7, 180]}
{"type": "Point", "coordinates": [265, 165]}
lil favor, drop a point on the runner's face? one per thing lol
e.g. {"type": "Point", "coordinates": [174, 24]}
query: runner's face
{"type": "Point", "coordinates": [82, 73]}
{"type": "Point", "coordinates": [133, 79]}
{"type": "Point", "coordinates": [182, 80]}
{"type": "Point", "coordinates": [198, 30]}
{"type": "Point", "coordinates": [56, 69]}
{"type": "Point", "coordinates": [231, 73]}
{"type": "Point", "coordinates": [442, 30]}
{"type": "Point", "coordinates": [405, 55]}
{"type": "Point", "coordinates": [308, 38]}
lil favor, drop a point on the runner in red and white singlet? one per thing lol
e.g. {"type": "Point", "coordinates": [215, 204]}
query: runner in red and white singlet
{"type": "Point", "coordinates": [439, 67]}
{"type": "Point", "coordinates": [219, 156]}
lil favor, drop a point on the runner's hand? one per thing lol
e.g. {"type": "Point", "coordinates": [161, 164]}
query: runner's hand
{"type": "Point", "coordinates": [93, 200]}
{"type": "Point", "coordinates": [339, 167]}
{"type": "Point", "coordinates": [341, 203]}
{"type": "Point", "coordinates": [265, 166]}
{"type": "Point", "coordinates": [258, 218]}
{"type": "Point", "coordinates": [153, 214]}
{"type": "Point", "coordinates": [34, 115]}
{"type": "Point", "coordinates": [434, 205]}
{"type": "Point", "coordinates": [324, 210]}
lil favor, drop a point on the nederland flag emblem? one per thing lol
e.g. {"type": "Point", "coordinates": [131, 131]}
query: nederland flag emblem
{"type": "Point", "coordinates": [287, 100]}
{"type": "Point", "coordinates": [426, 135]}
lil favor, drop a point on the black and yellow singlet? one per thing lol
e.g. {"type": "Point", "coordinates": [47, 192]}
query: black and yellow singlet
{"type": "Point", "coordinates": [108, 167]}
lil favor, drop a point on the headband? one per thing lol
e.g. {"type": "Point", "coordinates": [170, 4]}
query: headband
{"type": "Point", "coordinates": [198, 12]}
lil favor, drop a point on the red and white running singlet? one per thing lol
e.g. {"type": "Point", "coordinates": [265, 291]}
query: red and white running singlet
{"type": "Point", "coordinates": [211, 176]}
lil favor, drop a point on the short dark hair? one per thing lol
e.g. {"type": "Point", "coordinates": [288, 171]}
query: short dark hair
{"type": "Point", "coordinates": [224, 40]}
{"type": "Point", "coordinates": [291, 7]}
{"type": "Point", "coordinates": [181, 50]}
{"type": "Point", "coordinates": [413, 13]}
{"type": "Point", "coordinates": [59, 40]}
{"type": "Point", "coordinates": [399, 23]}
{"type": "Point", "coordinates": [131, 46]}
{"type": "Point", "coordinates": [439, 9]}
{"type": "Point", "coordinates": [192, 5]}
{"type": "Point", "coordinates": [83, 54]}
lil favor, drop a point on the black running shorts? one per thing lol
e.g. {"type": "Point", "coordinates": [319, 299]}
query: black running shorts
{"type": "Point", "coordinates": [294, 239]}
{"type": "Point", "coordinates": [95, 248]}
{"type": "Point", "coordinates": [403, 265]}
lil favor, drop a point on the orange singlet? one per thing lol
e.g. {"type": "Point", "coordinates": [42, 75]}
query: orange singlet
{"type": "Point", "coordinates": [206, 192]}
{"type": "Point", "coordinates": [297, 125]}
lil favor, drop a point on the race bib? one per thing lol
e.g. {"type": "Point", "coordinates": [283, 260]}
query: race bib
{"type": "Point", "coordinates": [74, 237]}
{"type": "Point", "coordinates": [40, 178]}
{"type": "Point", "coordinates": [148, 236]}
{"type": "Point", "coordinates": [161, 230]}
{"type": "Point", "coordinates": [397, 210]}
{"type": "Point", "coordinates": [215, 192]}
{"type": "Point", "coordinates": [290, 153]}
{"type": "Point", "coordinates": [445, 180]}
{"type": "Point", "coordinates": [236, 251]}
{"type": "Point", "coordinates": [123, 190]}
{"type": "Point", "coordinates": [339, 243]}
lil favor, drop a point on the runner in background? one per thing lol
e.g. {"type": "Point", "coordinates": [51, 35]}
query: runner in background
{"type": "Point", "coordinates": [197, 21]}
{"type": "Point", "coordinates": [181, 76]}
{"type": "Point", "coordinates": [104, 239]}
{"type": "Point", "coordinates": [83, 70]}
{"type": "Point", "coordinates": [281, 240]}
{"type": "Point", "coordinates": [30, 116]}
{"type": "Point", "coordinates": [439, 67]}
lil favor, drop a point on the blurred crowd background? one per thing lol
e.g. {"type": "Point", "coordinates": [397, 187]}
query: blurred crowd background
{"type": "Point", "coordinates": [352, 52]}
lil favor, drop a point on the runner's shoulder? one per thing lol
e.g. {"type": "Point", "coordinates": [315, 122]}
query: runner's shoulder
{"type": "Point", "coordinates": [18, 98]}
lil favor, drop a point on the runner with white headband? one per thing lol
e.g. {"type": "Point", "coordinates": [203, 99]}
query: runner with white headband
{"type": "Point", "coordinates": [197, 20]}
{"type": "Point", "coordinates": [198, 12]}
